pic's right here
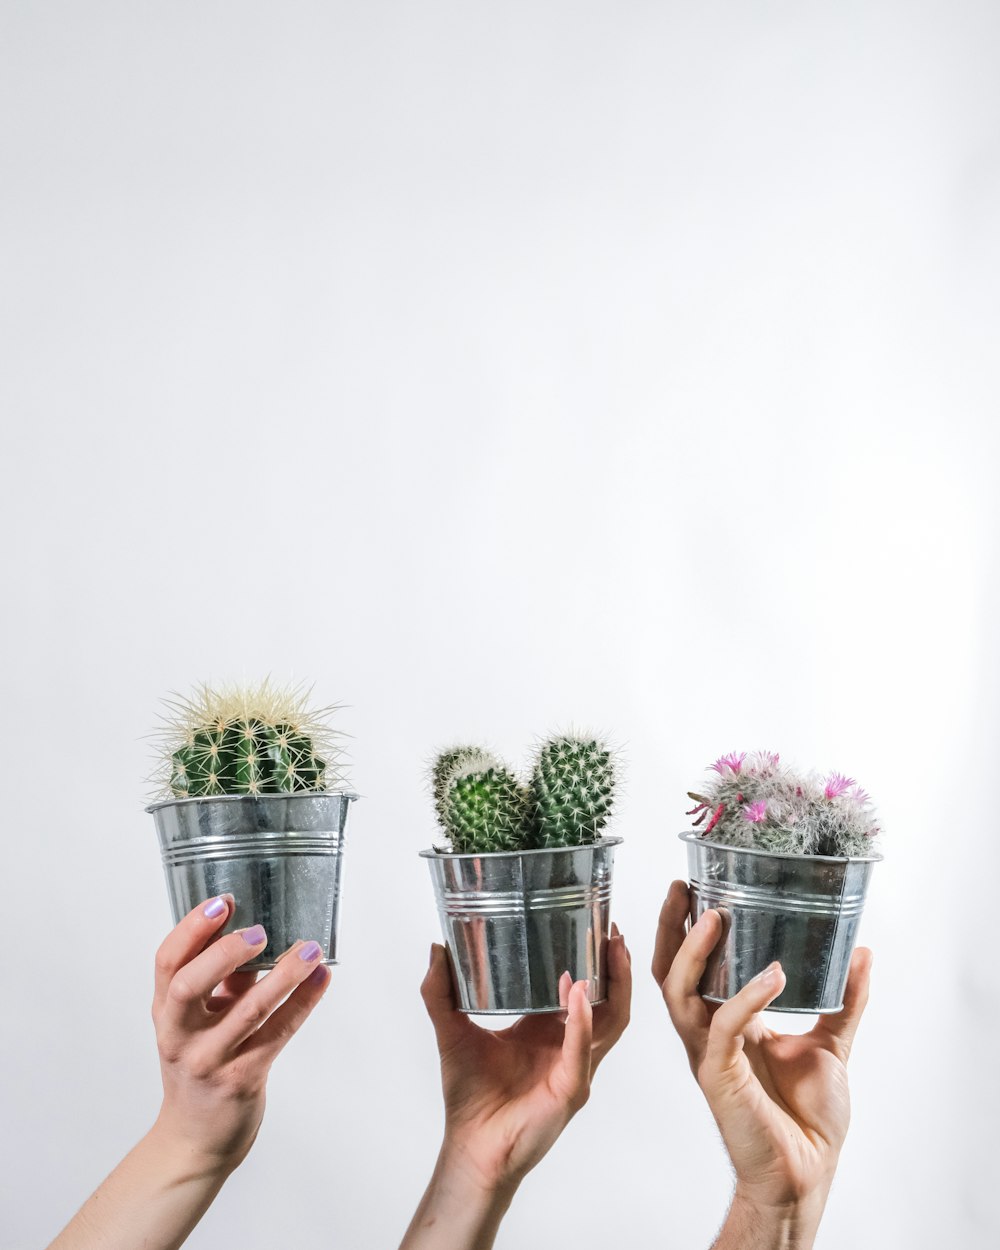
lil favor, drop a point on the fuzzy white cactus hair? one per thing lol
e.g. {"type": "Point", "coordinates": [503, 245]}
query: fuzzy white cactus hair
{"type": "Point", "coordinates": [247, 739]}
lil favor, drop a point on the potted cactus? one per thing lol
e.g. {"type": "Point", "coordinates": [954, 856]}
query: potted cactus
{"type": "Point", "coordinates": [523, 882]}
{"type": "Point", "coordinates": [787, 858]}
{"type": "Point", "coordinates": [251, 802]}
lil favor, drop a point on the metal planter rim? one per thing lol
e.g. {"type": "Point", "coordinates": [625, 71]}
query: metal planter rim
{"type": "Point", "coordinates": [434, 853]}
{"type": "Point", "coordinates": [689, 836]}
{"type": "Point", "coordinates": [350, 795]}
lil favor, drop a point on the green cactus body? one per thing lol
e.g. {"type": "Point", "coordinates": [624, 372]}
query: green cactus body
{"type": "Point", "coordinates": [572, 791]}
{"type": "Point", "coordinates": [484, 806]}
{"type": "Point", "coordinates": [444, 765]}
{"type": "Point", "coordinates": [246, 756]}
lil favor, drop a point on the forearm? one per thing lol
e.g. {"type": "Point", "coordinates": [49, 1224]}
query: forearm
{"type": "Point", "coordinates": [751, 1225]}
{"type": "Point", "coordinates": [153, 1199]}
{"type": "Point", "coordinates": [457, 1211]}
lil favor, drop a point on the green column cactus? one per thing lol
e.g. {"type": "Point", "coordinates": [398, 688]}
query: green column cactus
{"type": "Point", "coordinates": [572, 791]}
{"type": "Point", "coordinates": [483, 806]}
{"type": "Point", "coordinates": [262, 740]}
{"type": "Point", "coordinates": [442, 768]}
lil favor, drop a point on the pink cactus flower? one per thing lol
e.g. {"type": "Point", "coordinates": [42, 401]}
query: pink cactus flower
{"type": "Point", "coordinates": [861, 797]}
{"type": "Point", "coordinates": [755, 812]}
{"type": "Point", "coordinates": [837, 784]}
{"type": "Point", "coordinates": [732, 762]}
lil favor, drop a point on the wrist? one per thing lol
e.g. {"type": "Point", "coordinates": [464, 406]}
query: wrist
{"type": "Point", "coordinates": [459, 1169]}
{"type": "Point", "coordinates": [786, 1223]}
{"type": "Point", "coordinates": [460, 1204]}
{"type": "Point", "coordinates": [184, 1157]}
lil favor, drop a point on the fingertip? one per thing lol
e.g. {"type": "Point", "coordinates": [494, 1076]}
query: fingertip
{"type": "Point", "coordinates": [256, 935]}
{"type": "Point", "coordinates": [707, 922]}
{"type": "Point", "coordinates": [319, 977]}
{"type": "Point", "coordinates": [765, 986]}
{"type": "Point", "coordinates": [579, 1006]}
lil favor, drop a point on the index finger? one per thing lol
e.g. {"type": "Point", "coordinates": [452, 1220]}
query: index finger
{"type": "Point", "coordinates": [186, 1001]}
{"type": "Point", "coordinates": [186, 939]}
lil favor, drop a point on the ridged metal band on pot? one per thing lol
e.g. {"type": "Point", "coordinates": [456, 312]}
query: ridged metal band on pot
{"type": "Point", "coordinates": [279, 855]}
{"type": "Point", "coordinates": [803, 910]}
{"type": "Point", "coordinates": [515, 921]}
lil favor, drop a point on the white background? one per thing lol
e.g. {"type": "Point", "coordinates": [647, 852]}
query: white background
{"type": "Point", "coordinates": [500, 367]}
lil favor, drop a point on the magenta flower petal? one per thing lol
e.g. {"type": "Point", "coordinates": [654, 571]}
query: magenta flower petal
{"type": "Point", "coordinates": [732, 762]}
{"type": "Point", "coordinates": [755, 812]}
{"type": "Point", "coordinates": [837, 784]}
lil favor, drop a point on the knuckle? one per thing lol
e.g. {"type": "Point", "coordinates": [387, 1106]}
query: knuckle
{"type": "Point", "coordinates": [202, 1066]}
{"type": "Point", "coordinates": [169, 1051]}
{"type": "Point", "coordinates": [163, 963]}
{"type": "Point", "coordinates": [580, 1097]}
{"type": "Point", "coordinates": [252, 1012]}
{"type": "Point", "coordinates": [180, 991]}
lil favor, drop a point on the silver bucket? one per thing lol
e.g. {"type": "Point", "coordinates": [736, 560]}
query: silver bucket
{"type": "Point", "coordinates": [803, 910]}
{"type": "Point", "coordinates": [515, 921]}
{"type": "Point", "coordinates": [278, 855]}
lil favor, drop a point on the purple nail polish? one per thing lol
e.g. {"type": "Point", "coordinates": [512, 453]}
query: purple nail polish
{"type": "Point", "coordinates": [215, 908]}
{"type": "Point", "coordinates": [319, 975]}
{"type": "Point", "coordinates": [255, 935]}
{"type": "Point", "coordinates": [309, 952]}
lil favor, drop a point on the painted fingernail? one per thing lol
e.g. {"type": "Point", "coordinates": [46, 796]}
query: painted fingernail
{"type": "Point", "coordinates": [319, 975]}
{"type": "Point", "coordinates": [214, 908]}
{"type": "Point", "coordinates": [254, 935]}
{"type": "Point", "coordinates": [309, 952]}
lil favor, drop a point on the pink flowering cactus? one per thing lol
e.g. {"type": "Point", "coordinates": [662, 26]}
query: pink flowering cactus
{"type": "Point", "coordinates": [755, 801]}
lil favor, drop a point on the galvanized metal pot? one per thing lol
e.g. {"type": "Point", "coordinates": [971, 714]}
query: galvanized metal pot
{"type": "Point", "coordinates": [515, 921]}
{"type": "Point", "coordinates": [279, 855]}
{"type": "Point", "coordinates": [803, 910]}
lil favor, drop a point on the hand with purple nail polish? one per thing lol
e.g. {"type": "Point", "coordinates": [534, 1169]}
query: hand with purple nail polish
{"type": "Point", "coordinates": [218, 1029]}
{"type": "Point", "coordinates": [508, 1095]}
{"type": "Point", "coordinates": [781, 1101]}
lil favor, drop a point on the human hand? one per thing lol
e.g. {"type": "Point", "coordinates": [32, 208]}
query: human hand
{"type": "Point", "coordinates": [508, 1095]}
{"type": "Point", "coordinates": [219, 1029]}
{"type": "Point", "coordinates": [781, 1101]}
